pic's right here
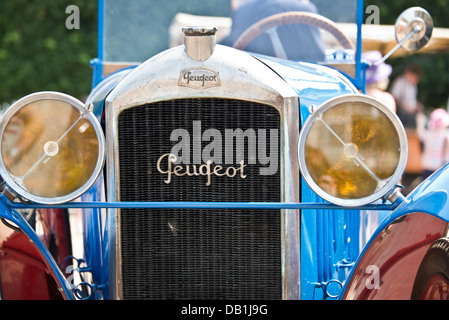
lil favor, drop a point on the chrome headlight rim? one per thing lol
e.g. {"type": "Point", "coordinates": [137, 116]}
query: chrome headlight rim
{"type": "Point", "coordinates": [318, 112]}
{"type": "Point", "coordinates": [57, 96]}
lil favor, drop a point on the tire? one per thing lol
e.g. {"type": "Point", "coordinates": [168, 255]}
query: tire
{"type": "Point", "coordinates": [432, 279]}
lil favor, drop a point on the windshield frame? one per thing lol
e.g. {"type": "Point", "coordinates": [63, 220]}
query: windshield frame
{"type": "Point", "coordinates": [98, 64]}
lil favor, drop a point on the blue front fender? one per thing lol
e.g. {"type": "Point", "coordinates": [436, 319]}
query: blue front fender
{"type": "Point", "coordinates": [430, 197]}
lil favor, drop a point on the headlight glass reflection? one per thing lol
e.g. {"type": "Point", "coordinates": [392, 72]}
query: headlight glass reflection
{"type": "Point", "coordinates": [50, 148]}
{"type": "Point", "coordinates": [353, 150]}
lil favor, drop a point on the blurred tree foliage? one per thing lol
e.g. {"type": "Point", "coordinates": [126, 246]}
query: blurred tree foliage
{"type": "Point", "coordinates": [38, 52]}
{"type": "Point", "coordinates": [434, 85]}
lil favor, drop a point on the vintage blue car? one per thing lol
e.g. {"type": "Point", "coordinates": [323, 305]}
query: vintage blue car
{"type": "Point", "coordinates": [209, 171]}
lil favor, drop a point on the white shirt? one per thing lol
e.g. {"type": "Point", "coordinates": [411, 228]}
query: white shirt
{"type": "Point", "coordinates": [405, 93]}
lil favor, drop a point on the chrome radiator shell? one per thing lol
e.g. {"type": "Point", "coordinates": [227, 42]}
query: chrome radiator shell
{"type": "Point", "coordinates": [239, 76]}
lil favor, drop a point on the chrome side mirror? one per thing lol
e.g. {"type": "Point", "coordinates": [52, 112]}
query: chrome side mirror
{"type": "Point", "coordinates": [413, 28]}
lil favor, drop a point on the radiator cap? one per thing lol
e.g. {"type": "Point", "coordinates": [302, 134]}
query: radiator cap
{"type": "Point", "coordinates": [199, 42]}
{"type": "Point", "coordinates": [352, 150]}
{"type": "Point", "coordinates": [52, 147]}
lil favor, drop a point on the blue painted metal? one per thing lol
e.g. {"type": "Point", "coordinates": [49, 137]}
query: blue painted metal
{"type": "Point", "coordinates": [95, 239]}
{"type": "Point", "coordinates": [80, 291]}
{"type": "Point", "coordinates": [97, 63]}
{"type": "Point", "coordinates": [97, 74]}
{"type": "Point", "coordinates": [192, 205]}
{"type": "Point", "coordinates": [360, 71]}
{"type": "Point", "coordinates": [96, 234]}
{"type": "Point", "coordinates": [430, 197]}
{"type": "Point", "coordinates": [12, 215]}
{"type": "Point", "coordinates": [102, 89]}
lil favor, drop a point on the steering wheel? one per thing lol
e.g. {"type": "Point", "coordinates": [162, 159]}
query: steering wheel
{"type": "Point", "coordinates": [270, 24]}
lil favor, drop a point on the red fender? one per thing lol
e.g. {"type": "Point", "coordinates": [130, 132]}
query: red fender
{"type": "Point", "coordinates": [389, 265]}
{"type": "Point", "coordinates": [24, 274]}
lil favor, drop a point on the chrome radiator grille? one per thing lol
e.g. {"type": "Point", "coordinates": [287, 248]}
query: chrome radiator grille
{"type": "Point", "coordinates": [196, 253]}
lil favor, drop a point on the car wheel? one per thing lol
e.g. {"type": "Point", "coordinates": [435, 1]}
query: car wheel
{"type": "Point", "coordinates": [432, 279]}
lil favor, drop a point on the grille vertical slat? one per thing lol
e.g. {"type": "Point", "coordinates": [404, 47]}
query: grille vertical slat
{"type": "Point", "coordinates": [187, 253]}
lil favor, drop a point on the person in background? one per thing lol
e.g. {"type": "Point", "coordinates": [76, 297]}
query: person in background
{"type": "Point", "coordinates": [405, 91]}
{"type": "Point", "coordinates": [377, 79]}
{"type": "Point", "coordinates": [301, 42]}
{"type": "Point", "coordinates": [435, 141]}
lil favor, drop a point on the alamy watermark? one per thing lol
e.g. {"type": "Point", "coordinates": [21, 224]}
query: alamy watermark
{"type": "Point", "coordinates": [73, 20]}
{"type": "Point", "coordinates": [224, 155]}
{"type": "Point", "coordinates": [373, 280]}
{"type": "Point", "coordinates": [373, 12]}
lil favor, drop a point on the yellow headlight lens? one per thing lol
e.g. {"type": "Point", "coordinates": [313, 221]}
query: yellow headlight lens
{"type": "Point", "coordinates": [352, 149]}
{"type": "Point", "coordinates": [51, 148]}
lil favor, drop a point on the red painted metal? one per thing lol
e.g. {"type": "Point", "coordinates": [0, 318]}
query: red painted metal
{"type": "Point", "coordinates": [388, 268]}
{"type": "Point", "coordinates": [24, 274]}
